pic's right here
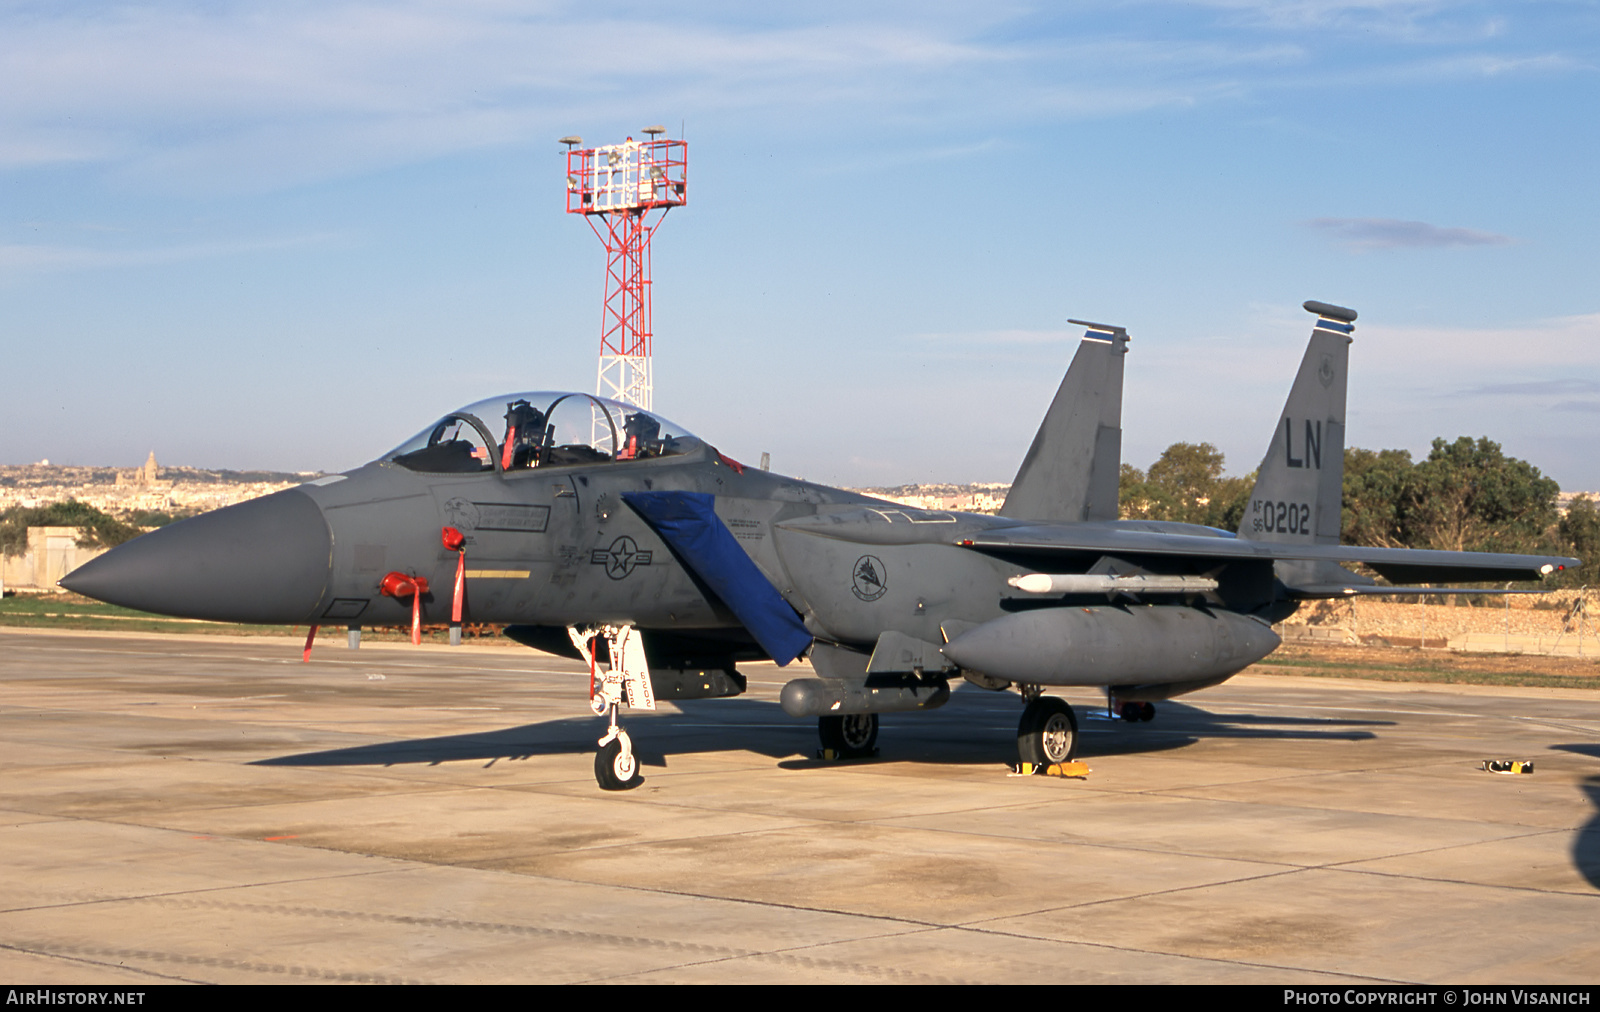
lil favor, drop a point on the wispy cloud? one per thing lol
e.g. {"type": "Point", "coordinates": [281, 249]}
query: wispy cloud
{"type": "Point", "coordinates": [19, 257]}
{"type": "Point", "coordinates": [1403, 19]}
{"type": "Point", "coordinates": [1539, 388]}
{"type": "Point", "coordinates": [1396, 233]}
{"type": "Point", "coordinates": [1532, 387]}
{"type": "Point", "coordinates": [1556, 356]}
{"type": "Point", "coordinates": [997, 337]}
{"type": "Point", "coordinates": [251, 95]}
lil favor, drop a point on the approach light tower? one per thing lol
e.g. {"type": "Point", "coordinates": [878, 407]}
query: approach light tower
{"type": "Point", "coordinates": [624, 191]}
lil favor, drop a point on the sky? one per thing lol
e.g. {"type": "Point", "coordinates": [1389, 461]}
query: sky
{"type": "Point", "coordinates": [288, 235]}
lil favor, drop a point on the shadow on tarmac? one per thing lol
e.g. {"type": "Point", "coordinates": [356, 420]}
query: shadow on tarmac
{"type": "Point", "coordinates": [1586, 847]}
{"type": "Point", "coordinates": [971, 730]}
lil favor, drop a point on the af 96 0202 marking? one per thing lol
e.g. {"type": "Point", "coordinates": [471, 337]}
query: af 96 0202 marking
{"type": "Point", "coordinates": [1281, 517]}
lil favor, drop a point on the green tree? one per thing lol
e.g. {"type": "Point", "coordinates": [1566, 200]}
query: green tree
{"type": "Point", "coordinates": [1580, 528]}
{"type": "Point", "coordinates": [1228, 500]}
{"type": "Point", "coordinates": [1185, 484]}
{"type": "Point", "coordinates": [1376, 487]}
{"type": "Point", "coordinates": [1137, 499]}
{"type": "Point", "coordinates": [96, 529]}
{"type": "Point", "coordinates": [1466, 496]}
{"type": "Point", "coordinates": [159, 518]}
{"type": "Point", "coordinates": [1188, 473]}
{"type": "Point", "coordinates": [1469, 496]}
{"type": "Point", "coordinates": [1129, 480]}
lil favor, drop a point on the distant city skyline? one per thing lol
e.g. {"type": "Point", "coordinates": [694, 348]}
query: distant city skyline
{"type": "Point", "coordinates": [287, 236]}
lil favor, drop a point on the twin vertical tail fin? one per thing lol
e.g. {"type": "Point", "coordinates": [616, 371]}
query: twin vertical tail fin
{"type": "Point", "coordinates": [1072, 469]}
{"type": "Point", "coordinates": [1299, 490]}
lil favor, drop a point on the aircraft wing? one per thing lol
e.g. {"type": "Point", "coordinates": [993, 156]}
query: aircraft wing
{"type": "Point", "coordinates": [1408, 565]}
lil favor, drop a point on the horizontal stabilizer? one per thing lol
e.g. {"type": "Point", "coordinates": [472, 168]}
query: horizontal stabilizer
{"type": "Point", "coordinates": [1318, 591]}
{"type": "Point", "coordinates": [688, 523]}
{"type": "Point", "coordinates": [1474, 568]}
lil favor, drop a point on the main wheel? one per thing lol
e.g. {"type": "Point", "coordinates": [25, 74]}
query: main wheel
{"type": "Point", "coordinates": [616, 769]}
{"type": "Point", "coordinates": [1048, 733]}
{"type": "Point", "coordinates": [851, 736]}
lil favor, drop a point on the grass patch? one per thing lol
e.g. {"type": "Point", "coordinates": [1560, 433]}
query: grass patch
{"type": "Point", "coordinates": [1383, 665]}
{"type": "Point", "coordinates": [69, 611]}
{"type": "Point", "coordinates": [72, 612]}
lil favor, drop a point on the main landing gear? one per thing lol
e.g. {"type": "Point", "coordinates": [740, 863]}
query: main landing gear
{"type": "Point", "coordinates": [627, 676]}
{"type": "Point", "coordinates": [851, 736]}
{"type": "Point", "coordinates": [1048, 733]}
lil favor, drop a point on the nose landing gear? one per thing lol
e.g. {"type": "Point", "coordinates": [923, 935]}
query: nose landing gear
{"type": "Point", "coordinates": [627, 677]}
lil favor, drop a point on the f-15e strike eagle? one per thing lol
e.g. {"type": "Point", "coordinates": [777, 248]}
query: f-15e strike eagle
{"type": "Point", "coordinates": [604, 532]}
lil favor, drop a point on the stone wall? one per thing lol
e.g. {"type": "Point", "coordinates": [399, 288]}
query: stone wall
{"type": "Point", "coordinates": [1561, 622]}
{"type": "Point", "coordinates": [52, 553]}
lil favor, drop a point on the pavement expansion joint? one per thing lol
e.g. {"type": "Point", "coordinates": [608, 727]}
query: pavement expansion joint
{"type": "Point", "coordinates": [1589, 729]}
{"type": "Point", "coordinates": [1120, 847]}
{"type": "Point", "coordinates": [65, 957]}
{"type": "Point", "coordinates": [458, 924]}
{"type": "Point", "coordinates": [499, 863]}
{"type": "Point", "coordinates": [747, 901]}
{"type": "Point", "coordinates": [230, 887]}
{"type": "Point", "coordinates": [1132, 897]}
{"type": "Point", "coordinates": [222, 963]}
{"type": "Point", "coordinates": [1149, 951]}
{"type": "Point", "coordinates": [1501, 886]}
{"type": "Point", "coordinates": [785, 958]}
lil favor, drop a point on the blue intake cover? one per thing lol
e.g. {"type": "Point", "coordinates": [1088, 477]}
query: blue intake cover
{"type": "Point", "coordinates": [689, 525]}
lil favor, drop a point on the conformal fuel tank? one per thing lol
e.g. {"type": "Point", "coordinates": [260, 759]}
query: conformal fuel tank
{"type": "Point", "coordinates": [1113, 645]}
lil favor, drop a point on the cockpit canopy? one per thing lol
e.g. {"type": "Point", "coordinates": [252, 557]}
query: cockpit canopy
{"type": "Point", "coordinates": [544, 429]}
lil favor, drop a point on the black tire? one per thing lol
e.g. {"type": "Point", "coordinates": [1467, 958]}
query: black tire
{"type": "Point", "coordinates": [1147, 711]}
{"type": "Point", "coordinates": [612, 772]}
{"type": "Point", "coordinates": [852, 736]}
{"type": "Point", "coordinates": [1131, 713]}
{"type": "Point", "coordinates": [1048, 733]}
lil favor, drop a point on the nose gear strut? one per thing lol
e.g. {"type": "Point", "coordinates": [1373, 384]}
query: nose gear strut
{"type": "Point", "coordinates": [626, 677]}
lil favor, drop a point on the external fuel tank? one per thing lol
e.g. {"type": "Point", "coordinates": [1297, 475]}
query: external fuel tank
{"type": "Point", "coordinates": [1111, 645]}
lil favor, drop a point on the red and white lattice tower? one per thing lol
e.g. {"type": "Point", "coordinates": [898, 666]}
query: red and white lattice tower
{"type": "Point", "coordinates": [624, 191]}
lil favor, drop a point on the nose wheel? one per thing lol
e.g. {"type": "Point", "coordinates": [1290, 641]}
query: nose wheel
{"type": "Point", "coordinates": [616, 768]}
{"type": "Point", "coordinates": [1048, 733]}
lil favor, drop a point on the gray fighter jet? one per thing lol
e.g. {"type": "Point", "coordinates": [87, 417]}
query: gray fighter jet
{"type": "Point", "coordinates": [603, 532]}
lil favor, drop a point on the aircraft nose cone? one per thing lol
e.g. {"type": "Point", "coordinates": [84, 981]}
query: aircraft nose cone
{"type": "Point", "coordinates": [265, 560]}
